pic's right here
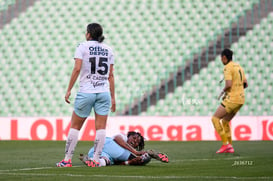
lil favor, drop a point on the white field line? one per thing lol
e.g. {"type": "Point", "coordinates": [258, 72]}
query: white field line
{"type": "Point", "coordinates": [29, 169]}
{"type": "Point", "coordinates": [140, 176]}
{"type": "Point", "coordinates": [172, 161]}
{"type": "Point", "coordinates": [19, 172]}
{"type": "Point", "coordinates": [208, 159]}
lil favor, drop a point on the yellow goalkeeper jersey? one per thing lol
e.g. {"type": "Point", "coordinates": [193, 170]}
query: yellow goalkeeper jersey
{"type": "Point", "coordinates": [233, 71]}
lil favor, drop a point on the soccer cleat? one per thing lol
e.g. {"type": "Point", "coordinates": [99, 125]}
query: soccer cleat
{"type": "Point", "coordinates": [226, 149]}
{"type": "Point", "coordinates": [229, 149]}
{"type": "Point", "coordinates": [88, 161]}
{"type": "Point", "coordinates": [222, 149]}
{"type": "Point", "coordinates": [92, 163]}
{"type": "Point", "coordinates": [64, 163]}
{"type": "Point", "coordinates": [163, 157]}
{"type": "Point", "coordinates": [158, 156]}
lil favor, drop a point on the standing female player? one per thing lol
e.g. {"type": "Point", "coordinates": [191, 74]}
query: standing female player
{"type": "Point", "coordinates": [233, 99]}
{"type": "Point", "coordinates": [94, 62]}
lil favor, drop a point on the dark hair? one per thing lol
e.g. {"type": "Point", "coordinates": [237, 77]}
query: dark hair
{"type": "Point", "coordinates": [228, 53]}
{"type": "Point", "coordinates": [141, 144]}
{"type": "Point", "coordinates": [95, 31]}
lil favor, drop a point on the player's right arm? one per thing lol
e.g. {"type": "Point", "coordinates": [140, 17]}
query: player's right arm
{"type": "Point", "coordinates": [75, 73]}
{"type": "Point", "coordinates": [78, 57]}
{"type": "Point", "coordinates": [228, 82]}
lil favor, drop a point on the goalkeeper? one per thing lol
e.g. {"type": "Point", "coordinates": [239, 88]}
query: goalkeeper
{"type": "Point", "coordinates": [232, 101]}
{"type": "Point", "coordinates": [123, 150]}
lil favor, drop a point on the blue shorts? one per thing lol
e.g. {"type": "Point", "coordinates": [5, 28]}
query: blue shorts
{"type": "Point", "coordinates": [112, 151]}
{"type": "Point", "coordinates": [84, 102]}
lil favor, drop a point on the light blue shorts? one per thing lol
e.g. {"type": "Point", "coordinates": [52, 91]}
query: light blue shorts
{"type": "Point", "coordinates": [84, 102]}
{"type": "Point", "coordinates": [112, 151]}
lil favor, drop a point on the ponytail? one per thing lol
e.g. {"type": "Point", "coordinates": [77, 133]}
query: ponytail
{"type": "Point", "coordinates": [100, 38]}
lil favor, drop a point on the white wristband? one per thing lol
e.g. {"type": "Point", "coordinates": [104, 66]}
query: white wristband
{"type": "Point", "coordinates": [126, 163]}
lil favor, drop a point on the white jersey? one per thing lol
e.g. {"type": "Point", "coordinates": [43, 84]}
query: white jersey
{"type": "Point", "coordinates": [96, 60]}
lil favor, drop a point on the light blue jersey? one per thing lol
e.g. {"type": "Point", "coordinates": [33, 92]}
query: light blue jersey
{"type": "Point", "coordinates": [112, 151]}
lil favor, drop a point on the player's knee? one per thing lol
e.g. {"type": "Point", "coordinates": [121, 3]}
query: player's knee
{"type": "Point", "coordinates": [225, 122]}
{"type": "Point", "coordinates": [215, 121]}
{"type": "Point", "coordinates": [217, 125]}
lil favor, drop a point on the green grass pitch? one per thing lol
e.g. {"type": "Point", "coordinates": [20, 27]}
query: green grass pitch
{"type": "Point", "coordinates": [35, 160]}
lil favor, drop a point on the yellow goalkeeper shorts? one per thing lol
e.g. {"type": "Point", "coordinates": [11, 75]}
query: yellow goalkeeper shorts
{"type": "Point", "coordinates": [231, 107]}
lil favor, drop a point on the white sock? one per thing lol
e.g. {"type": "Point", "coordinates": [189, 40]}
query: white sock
{"type": "Point", "coordinates": [99, 143]}
{"type": "Point", "coordinates": [102, 162]}
{"type": "Point", "coordinates": [71, 142]}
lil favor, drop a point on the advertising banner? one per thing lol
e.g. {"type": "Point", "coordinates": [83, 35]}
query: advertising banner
{"type": "Point", "coordinates": [154, 128]}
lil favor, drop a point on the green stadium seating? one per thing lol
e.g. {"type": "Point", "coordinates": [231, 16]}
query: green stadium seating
{"type": "Point", "coordinates": [4, 4]}
{"type": "Point", "coordinates": [254, 53]}
{"type": "Point", "coordinates": [150, 38]}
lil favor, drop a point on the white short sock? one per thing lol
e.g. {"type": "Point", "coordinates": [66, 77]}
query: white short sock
{"type": "Point", "coordinates": [99, 143]}
{"type": "Point", "coordinates": [71, 142]}
{"type": "Point", "coordinates": [102, 162]}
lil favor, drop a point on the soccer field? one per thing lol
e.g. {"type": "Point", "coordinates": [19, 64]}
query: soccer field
{"type": "Point", "coordinates": [35, 160]}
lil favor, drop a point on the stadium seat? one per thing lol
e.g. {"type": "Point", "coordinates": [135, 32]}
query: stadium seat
{"type": "Point", "coordinates": [149, 41]}
{"type": "Point", "coordinates": [253, 54]}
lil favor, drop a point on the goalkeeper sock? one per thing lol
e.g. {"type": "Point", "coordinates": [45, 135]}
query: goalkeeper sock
{"type": "Point", "coordinates": [71, 142]}
{"type": "Point", "coordinates": [99, 143]}
{"type": "Point", "coordinates": [219, 129]}
{"type": "Point", "coordinates": [226, 127]}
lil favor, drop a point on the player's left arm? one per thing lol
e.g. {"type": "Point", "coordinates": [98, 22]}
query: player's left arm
{"type": "Point", "coordinates": [112, 87]}
{"type": "Point", "coordinates": [228, 82]}
{"type": "Point", "coordinates": [228, 78]}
